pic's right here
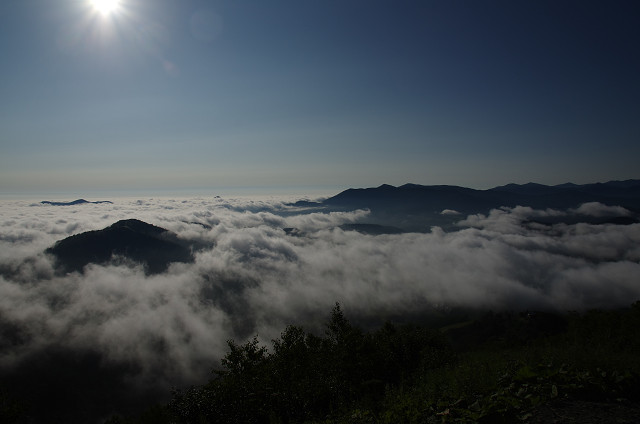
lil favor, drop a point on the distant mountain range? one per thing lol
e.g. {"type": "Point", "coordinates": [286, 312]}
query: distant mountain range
{"type": "Point", "coordinates": [436, 198]}
{"type": "Point", "coordinates": [414, 207]}
{"type": "Point", "coordinates": [131, 239]}
{"type": "Point", "coordinates": [73, 203]}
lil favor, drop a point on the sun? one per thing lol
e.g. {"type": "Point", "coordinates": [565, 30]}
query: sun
{"type": "Point", "coordinates": [105, 7]}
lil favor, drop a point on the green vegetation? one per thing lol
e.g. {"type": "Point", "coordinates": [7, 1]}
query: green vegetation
{"type": "Point", "coordinates": [494, 369]}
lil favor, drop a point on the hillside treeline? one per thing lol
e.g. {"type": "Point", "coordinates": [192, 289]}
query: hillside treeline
{"type": "Point", "coordinates": [307, 377]}
{"type": "Point", "coordinates": [497, 368]}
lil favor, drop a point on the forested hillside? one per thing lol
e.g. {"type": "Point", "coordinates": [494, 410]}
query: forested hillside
{"type": "Point", "coordinates": [504, 367]}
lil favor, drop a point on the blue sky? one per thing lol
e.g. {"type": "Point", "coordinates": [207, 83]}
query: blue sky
{"type": "Point", "coordinates": [188, 94]}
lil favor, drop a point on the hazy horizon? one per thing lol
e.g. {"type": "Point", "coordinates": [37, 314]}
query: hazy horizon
{"type": "Point", "coordinates": [306, 192]}
{"type": "Point", "coordinates": [108, 194]}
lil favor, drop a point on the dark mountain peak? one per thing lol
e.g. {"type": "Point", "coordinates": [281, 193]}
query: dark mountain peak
{"type": "Point", "coordinates": [420, 187]}
{"type": "Point", "coordinates": [528, 188]}
{"type": "Point", "coordinates": [410, 186]}
{"type": "Point", "coordinates": [515, 185]}
{"type": "Point", "coordinates": [134, 240]}
{"type": "Point", "coordinates": [386, 187]}
{"type": "Point", "coordinates": [73, 203]}
{"type": "Point", "coordinates": [566, 185]}
{"type": "Point", "coordinates": [137, 226]}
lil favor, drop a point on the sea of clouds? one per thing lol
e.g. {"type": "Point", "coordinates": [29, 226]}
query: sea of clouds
{"type": "Point", "coordinates": [254, 278]}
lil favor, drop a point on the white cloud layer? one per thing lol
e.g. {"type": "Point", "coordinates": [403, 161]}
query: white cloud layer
{"type": "Point", "coordinates": [256, 278]}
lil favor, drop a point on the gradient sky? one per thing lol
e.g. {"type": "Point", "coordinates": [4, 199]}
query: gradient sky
{"type": "Point", "coordinates": [189, 94]}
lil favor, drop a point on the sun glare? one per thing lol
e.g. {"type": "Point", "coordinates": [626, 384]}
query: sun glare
{"type": "Point", "coordinates": [105, 7]}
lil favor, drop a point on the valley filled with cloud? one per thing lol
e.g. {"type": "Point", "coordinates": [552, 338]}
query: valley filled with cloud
{"type": "Point", "coordinates": [260, 265]}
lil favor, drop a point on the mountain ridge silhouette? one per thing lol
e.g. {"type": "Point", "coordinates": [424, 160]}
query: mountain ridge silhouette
{"type": "Point", "coordinates": [435, 198]}
{"type": "Point", "coordinates": [74, 202]}
{"type": "Point", "coordinates": [153, 247]}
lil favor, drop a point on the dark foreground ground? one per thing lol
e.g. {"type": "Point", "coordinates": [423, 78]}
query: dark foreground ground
{"type": "Point", "coordinates": [585, 412]}
{"type": "Point", "coordinates": [525, 367]}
